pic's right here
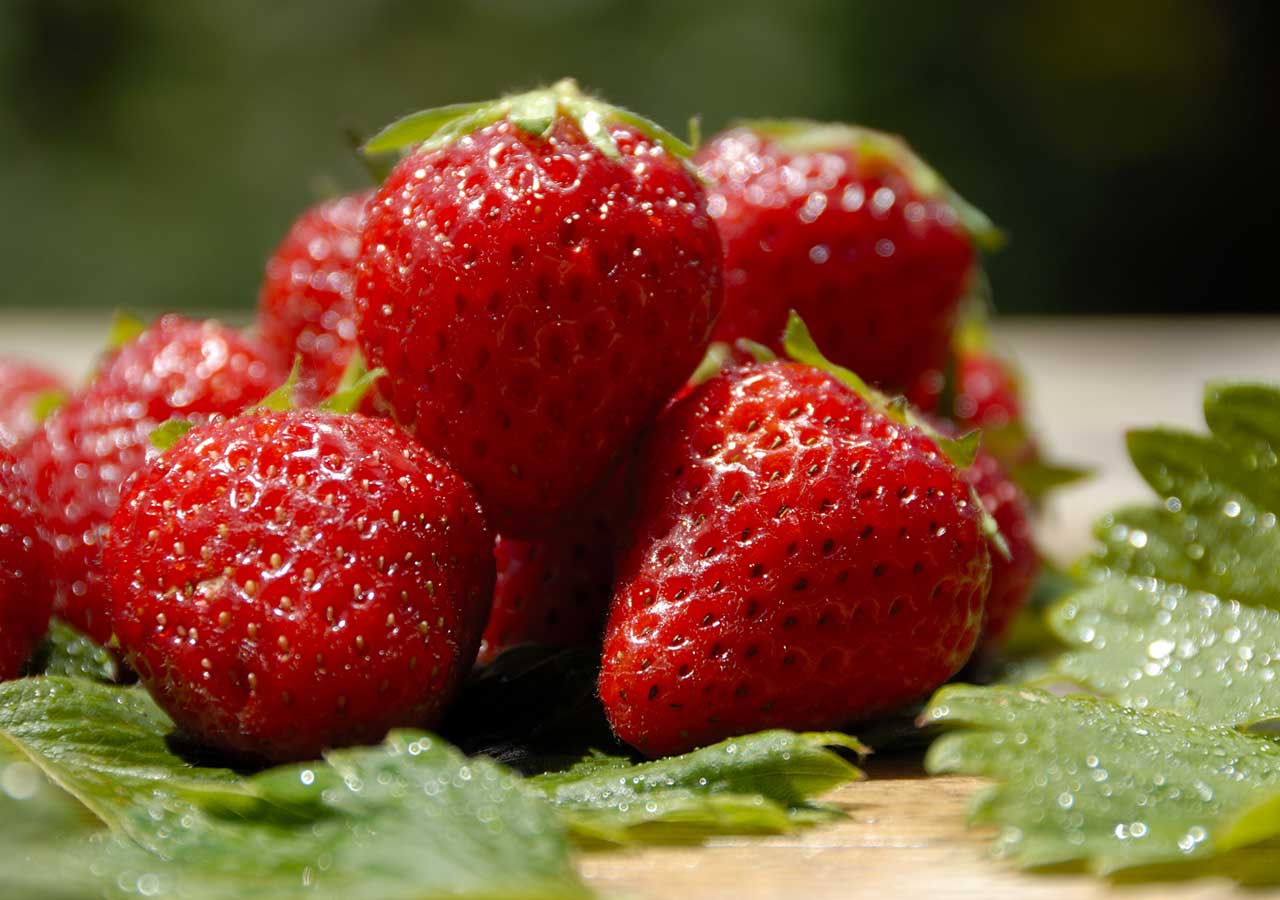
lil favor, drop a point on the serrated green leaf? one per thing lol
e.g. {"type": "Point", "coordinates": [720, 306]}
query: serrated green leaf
{"type": "Point", "coordinates": [1148, 644]}
{"type": "Point", "coordinates": [1084, 779]}
{"type": "Point", "coordinates": [41, 842]}
{"type": "Point", "coordinates": [106, 747]}
{"type": "Point", "coordinates": [68, 653]}
{"type": "Point", "coordinates": [1037, 477]}
{"type": "Point", "coordinates": [413, 818]}
{"type": "Point", "coordinates": [1228, 552]}
{"type": "Point", "coordinates": [1202, 472]}
{"type": "Point", "coordinates": [410, 819]}
{"type": "Point", "coordinates": [759, 783]}
{"type": "Point", "coordinates": [1246, 415]}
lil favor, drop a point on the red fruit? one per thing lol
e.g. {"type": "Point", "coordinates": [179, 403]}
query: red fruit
{"type": "Point", "coordinates": [79, 461]}
{"type": "Point", "coordinates": [552, 591]}
{"type": "Point", "coordinates": [24, 573]}
{"type": "Point", "coordinates": [1011, 577]}
{"type": "Point", "coordinates": [305, 307]}
{"type": "Point", "coordinates": [850, 229]}
{"type": "Point", "coordinates": [799, 560]}
{"type": "Point", "coordinates": [987, 395]}
{"type": "Point", "coordinates": [21, 385]}
{"type": "Point", "coordinates": [536, 290]}
{"type": "Point", "coordinates": [286, 582]}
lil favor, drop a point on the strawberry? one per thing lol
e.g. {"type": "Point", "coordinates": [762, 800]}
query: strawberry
{"type": "Point", "coordinates": [84, 454]}
{"type": "Point", "coordinates": [284, 582]}
{"type": "Point", "coordinates": [987, 394]}
{"type": "Point", "coordinates": [305, 305]}
{"type": "Point", "coordinates": [1012, 575]}
{"type": "Point", "coordinates": [24, 573]}
{"type": "Point", "coordinates": [537, 278]}
{"type": "Point", "coordinates": [848, 227]}
{"type": "Point", "coordinates": [550, 591]}
{"type": "Point", "coordinates": [22, 385]}
{"type": "Point", "coordinates": [798, 559]}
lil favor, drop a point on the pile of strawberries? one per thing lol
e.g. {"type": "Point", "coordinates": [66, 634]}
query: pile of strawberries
{"type": "Point", "coordinates": [497, 431]}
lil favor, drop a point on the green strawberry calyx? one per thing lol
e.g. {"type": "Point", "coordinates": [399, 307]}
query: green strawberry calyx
{"type": "Point", "coordinates": [356, 381]}
{"type": "Point", "coordinates": [800, 346]}
{"type": "Point", "coordinates": [534, 112]}
{"type": "Point", "coordinates": [806, 136]}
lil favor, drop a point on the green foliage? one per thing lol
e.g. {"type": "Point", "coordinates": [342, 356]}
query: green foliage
{"type": "Point", "coordinates": [533, 111]}
{"type": "Point", "coordinates": [106, 804]}
{"type": "Point", "coordinates": [761, 783]}
{"type": "Point", "coordinates": [71, 654]}
{"type": "Point", "coordinates": [1179, 639]}
{"type": "Point", "coordinates": [1083, 779]}
{"type": "Point", "coordinates": [1150, 645]}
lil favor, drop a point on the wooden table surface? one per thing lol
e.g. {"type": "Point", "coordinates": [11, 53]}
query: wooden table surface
{"type": "Point", "coordinates": [905, 836]}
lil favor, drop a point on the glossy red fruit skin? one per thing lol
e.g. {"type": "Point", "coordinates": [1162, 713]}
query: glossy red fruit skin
{"type": "Point", "coordinates": [306, 307]}
{"type": "Point", "coordinates": [553, 591]}
{"type": "Point", "coordinates": [797, 560]}
{"type": "Point", "coordinates": [82, 457]}
{"type": "Point", "coordinates": [24, 573]}
{"type": "Point", "coordinates": [535, 303]}
{"type": "Point", "coordinates": [21, 384]}
{"type": "Point", "coordinates": [1012, 577]}
{"type": "Point", "coordinates": [288, 582]}
{"type": "Point", "coordinates": [988, 396]}
{"type": "Point", "coordinates": [876, 270]}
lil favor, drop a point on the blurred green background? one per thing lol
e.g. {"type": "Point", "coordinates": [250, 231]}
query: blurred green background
{"type": "Point", "coordinates": [152, 152]}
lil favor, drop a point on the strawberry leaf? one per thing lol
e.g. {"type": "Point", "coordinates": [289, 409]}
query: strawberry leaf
{"type": "Point", "coordinates": [41, 842]}
{"type": "Point", "coordinates": [1148, 644]}
{"type": "Point", "coordinates": [1082, 779]}
{"type": "Point", "coordinates": [1215, 529]}
{"type": "Point", "coordinates": [1038, 477]}
{"type": "Point", "coordinates": [761, 784]}
{"type": "Point", "coordinates": [68, 653]}
{"type": "Point", "coordinates": [411, 818]}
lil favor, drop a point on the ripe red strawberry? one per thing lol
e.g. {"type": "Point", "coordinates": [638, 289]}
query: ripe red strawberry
{"type": "Point", "coordinates": [1013, 575]}
{"type": "Point", "coordinates": [83, 455]}
{"type": "Point", "coordinates": [537, 278]}
{"type": "Point", "coordinates": [305, 307]}
{"type": "Point", "coordinates": [21, 386]}
{"type": "Point", "coordinates": [289, 581]}
{"type": "Point", "coordinates": [799, 560]}
{"type": "Point", "coordinates": [552, 591]}
{"type": "Point", "coordinates": [988, 395]}
{"type": "Point", "coordinates": [24, 573]}
{"type": "Point", "coordinates": [849, 228]}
